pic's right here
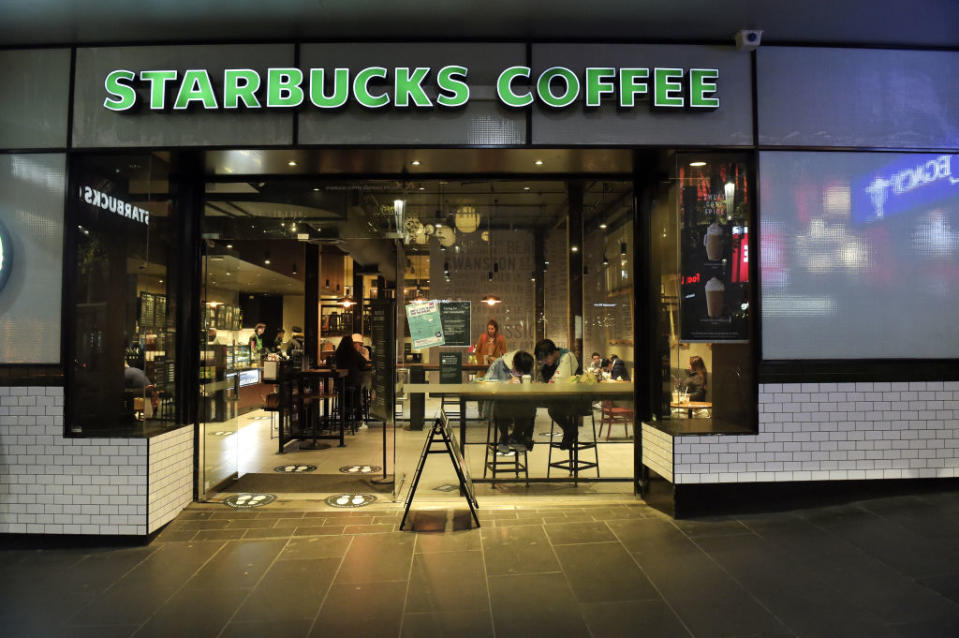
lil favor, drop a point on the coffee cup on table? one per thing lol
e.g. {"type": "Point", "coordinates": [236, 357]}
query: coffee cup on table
{"type": "Point", "coordinates": [713, 241]}
{"type": "Point", "coordinates": [526, 379]}
{"type": "Point", "coordinates": [715, 297]}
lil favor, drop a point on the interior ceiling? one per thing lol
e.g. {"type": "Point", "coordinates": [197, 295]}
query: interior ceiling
{"type": "Point", "coordinates": [917, 23]}
{"type": "Point", "coordinates": [230, 273]}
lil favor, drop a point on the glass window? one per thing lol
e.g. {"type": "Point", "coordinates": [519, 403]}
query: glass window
{"type": "Point", "coordinates": [701, 239]}
{"type": "Point", "coordinates": [31, 257]}
{"type": "Point", "coordinates": [849, 242]}
{"type": "Point", "coordinates": [121, 369]}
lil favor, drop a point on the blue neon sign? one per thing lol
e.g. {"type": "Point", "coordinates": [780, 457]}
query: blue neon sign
{"type": "Point", "coordinates": [913, 182]}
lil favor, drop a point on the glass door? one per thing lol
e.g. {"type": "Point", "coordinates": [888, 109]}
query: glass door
{"type": "Point", "coordinates": [222, 359]}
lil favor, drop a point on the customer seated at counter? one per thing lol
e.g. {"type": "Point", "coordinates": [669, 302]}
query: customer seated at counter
{"type": "Point", "coordinates": [617, 369]}
{"type": "Point", "coordinates": [511, 367]}
{"type": "Point", "coordinates": [597, 362]}
{"type": "Point", "coordinates": [557, 364]}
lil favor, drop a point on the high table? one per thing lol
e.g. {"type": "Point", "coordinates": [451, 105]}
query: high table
{"type": "Point", "coordinates": [538, 393]}
{"type": "Point", "coordinates": [298, 380]}
{"type": "Point", "coordinates": [418, 376]}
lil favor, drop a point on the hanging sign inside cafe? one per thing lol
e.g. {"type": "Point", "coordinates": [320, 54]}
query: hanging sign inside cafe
{"type": "Point", "coordinates": [376, 87]}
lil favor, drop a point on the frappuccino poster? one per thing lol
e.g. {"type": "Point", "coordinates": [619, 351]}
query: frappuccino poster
{"type": "Point", "coordinates": [714, 272]}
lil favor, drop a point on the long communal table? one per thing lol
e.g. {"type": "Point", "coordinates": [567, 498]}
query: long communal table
{"type": "Point", "coordinates": [543, 394]}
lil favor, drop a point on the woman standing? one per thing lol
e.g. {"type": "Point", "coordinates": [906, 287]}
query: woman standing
{"type": "Point", "coordinates": [491, 344]}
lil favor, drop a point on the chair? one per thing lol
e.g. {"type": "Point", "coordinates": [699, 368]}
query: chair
{"type": "Point", "coordinates": [505, 465]}
{"type": "Point", "coordinates": [614, 414]}
{"type": "Point", "coordinates": [573, 464]}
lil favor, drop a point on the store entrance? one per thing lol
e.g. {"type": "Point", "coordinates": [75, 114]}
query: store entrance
{"type": "Point", "coordinates": [335, 255]}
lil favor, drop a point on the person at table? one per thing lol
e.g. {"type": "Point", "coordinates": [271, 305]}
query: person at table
{"type": "Point", "coordinates": [364, 351]}
{"type": "Point", "coordinates": [257, 349]}
{"type": "Point", "coordinates": [596, 362]}
{"type": "Point", "coordinates": [617, 369]}
{"type": "Point", "coordinates": [521, 414]}
{"type": "Point", "coordinates": [347, 358]}
{"type": "Point", "coordinates": [556, 365]}
{"type": "Point", "coordinates": [696, 378]}
{"type": "Point", "coordinates": [491, 344]}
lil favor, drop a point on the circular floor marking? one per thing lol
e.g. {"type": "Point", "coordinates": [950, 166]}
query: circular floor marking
{"type": "Point", "coordinates": [294, 468]}
{"type": "Point", "coordinates": [360, 469]}
{"type": "Point", "coordinates": [350, 500]}
{"type": "Point", "coordinates": [247, 501]}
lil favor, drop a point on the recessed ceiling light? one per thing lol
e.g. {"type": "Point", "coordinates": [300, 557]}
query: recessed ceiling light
{"type": "Point", "coordinates": [291, 163]}
{"type": "Point", "coordinates": [538, 162]}
{"type": "Point", "coordinates": [316, 190]}
{"type": "Point", "coordinates": [602, 226]}
{"type": "Point", "coordinates": [415, 163]}
{"type": "Point", "coordinates": [229, 246]}
{"type": "Point", "coordinates": [526, 188]}
{"type": "Point", "coordinates": [697, 163]}
{"type": "Point", "coordinates": [574, 249]}
{"type": "Point", "coordinates": [422, 188]}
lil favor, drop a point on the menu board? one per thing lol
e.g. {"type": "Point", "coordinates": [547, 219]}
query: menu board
{"type": "Point", "coordinates": [451, 367]}
{"type": "Point", "coordinates": [714, 249]}
{"type": "Point", "coordinates": [383, 321]}
{"type": "Point", "coordinates": [455, 317]}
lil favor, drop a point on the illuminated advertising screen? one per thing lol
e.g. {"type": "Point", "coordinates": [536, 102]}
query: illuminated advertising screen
{"type": "Point", "coordinates": [859, 255]}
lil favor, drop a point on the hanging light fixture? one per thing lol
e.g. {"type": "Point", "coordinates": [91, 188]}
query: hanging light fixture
{"type": "Point", "coordinates": [346, 301]}
{"type": "Point", "coordinates": [466, 219]}
{"type": "Point", "coordinates": [491, 300]}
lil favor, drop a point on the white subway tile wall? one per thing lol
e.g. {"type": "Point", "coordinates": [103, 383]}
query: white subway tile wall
{"type": "Point", "coordinates": [171, 476]}
{"type": "Point", "coordinates": [834, 432]}
{"type": "Point", "coordinates": [658, 451]}
{"type": "Point", "coordinates": [54, 485]}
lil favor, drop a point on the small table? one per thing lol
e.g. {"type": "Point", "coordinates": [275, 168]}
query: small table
{"type": "Point", "coordinates": [692, 405]}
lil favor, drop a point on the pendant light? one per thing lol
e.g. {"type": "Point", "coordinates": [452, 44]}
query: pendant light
{"type": "Point", "coordinates": [346, 301]}
{"type": "Point", "coordinates": [491, 299]}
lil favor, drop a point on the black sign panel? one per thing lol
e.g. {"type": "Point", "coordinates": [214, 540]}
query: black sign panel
{"type": "Point", "coordinates": [714, 277]}
{"type": "Point", "coordinates": [451, 367]}
{"type": "Point", "coordinates": [455, 317]}
{"type": "Point", "coordinates": [383, 317]}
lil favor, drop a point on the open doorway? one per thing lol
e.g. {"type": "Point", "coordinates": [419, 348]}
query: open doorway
{"type": "Point", "coordinates": [325, 253]}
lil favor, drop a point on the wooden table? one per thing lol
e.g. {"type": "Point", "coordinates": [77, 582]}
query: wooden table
{"type": "Point", "coordinates": [539, 393]}
{"type": "Point", "coordinates": [692, 405]}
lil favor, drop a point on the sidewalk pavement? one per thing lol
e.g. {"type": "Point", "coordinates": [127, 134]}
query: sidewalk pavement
{"type": "Point", "coordinates": [881, 567]}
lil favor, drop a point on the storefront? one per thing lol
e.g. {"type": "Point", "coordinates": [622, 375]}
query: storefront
{"type": "Point", "coordinates": [608, 195]}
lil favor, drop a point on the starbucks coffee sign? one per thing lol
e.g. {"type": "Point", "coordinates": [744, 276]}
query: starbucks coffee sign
{"type": "Point", "coordinates": [377, 87]}
{"type": "Point", "coordinates": [6, 255]}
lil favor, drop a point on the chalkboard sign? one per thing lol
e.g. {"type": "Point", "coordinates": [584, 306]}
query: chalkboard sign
{"type": "Point", "coordinates": [455, 317]}
{"type": "Point", "coordinates": [451, 367]}
{"type": "Point", "coordinates": [383, 317]}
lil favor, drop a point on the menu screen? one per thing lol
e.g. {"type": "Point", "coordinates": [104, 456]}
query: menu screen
{"type": "Point", "coordinates": [859, 255]}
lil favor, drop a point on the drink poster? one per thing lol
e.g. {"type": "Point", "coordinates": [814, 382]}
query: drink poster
{"type": "Point", "coordinates": [455, 316]}
{"type": "Point", "coordinates": [383, 321]}
{"type": "Point", "coordinates": [714, 247]}
{"type": "Point", "coordinates": [426, 327]}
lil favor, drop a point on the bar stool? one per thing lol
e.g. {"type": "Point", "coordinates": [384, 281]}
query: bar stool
{"type": "Point", "coordinates": [573, 464]}
{"type": "Point", "coordinates": [495, 465]}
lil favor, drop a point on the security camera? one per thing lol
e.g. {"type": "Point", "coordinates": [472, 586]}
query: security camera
{"type": "Point", "coordinates": [748, 39]}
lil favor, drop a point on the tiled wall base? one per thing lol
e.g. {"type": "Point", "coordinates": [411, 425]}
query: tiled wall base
{"type": "Point", "coordinates": [833, 432]}
{"type": "Point", "coordinates": [54, 485]}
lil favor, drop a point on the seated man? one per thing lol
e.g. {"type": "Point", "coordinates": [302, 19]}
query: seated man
{"type": "Point", "coordinates": [555, 365]}
{"type": "Point", "coordinates": [617, 369]}
{"type": "Point", "coordinates": [521, 413]}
